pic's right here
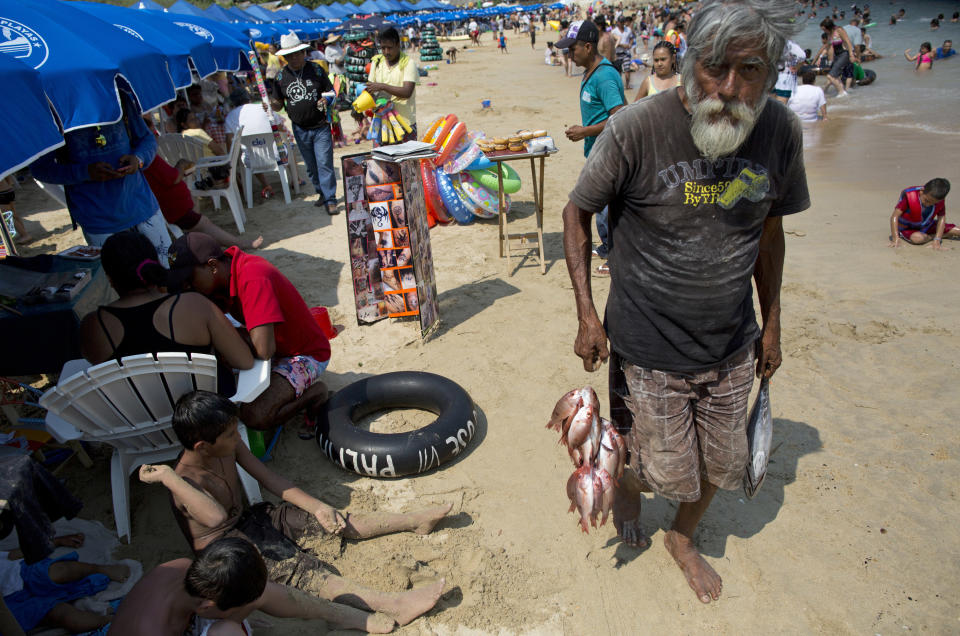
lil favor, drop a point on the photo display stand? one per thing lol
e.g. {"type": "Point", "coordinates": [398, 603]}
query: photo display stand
{"type": "Point", "coordinates": [391, 261]}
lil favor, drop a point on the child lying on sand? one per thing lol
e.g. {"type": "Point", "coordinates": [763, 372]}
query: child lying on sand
{"type": "Point", "coordinates": [40, 593]}
{"type": "Point", "coordinates": [207, 503]}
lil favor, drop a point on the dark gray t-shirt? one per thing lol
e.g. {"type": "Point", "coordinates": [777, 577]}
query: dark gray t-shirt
{"type": "Point", "coordinates": [686, 232]}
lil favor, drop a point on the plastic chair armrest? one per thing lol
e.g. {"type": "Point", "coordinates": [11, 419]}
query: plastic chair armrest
{"type": "Point", "coordinates": [252, 382]}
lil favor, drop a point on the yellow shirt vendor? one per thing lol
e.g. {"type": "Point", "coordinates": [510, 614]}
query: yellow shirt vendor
{"type": "Point", "coordinates": [394, 75]}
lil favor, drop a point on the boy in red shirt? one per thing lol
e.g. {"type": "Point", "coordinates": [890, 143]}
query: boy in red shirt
{"type": "Point", "coordinates": [920, 216]}
{"type": "Point", "coordinates": [277, 319]}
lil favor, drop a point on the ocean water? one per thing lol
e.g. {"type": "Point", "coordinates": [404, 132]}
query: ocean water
{"type": "Point", "coordinates": [901, 98]}
{"type": "Point", "coordinates": [904, 128]}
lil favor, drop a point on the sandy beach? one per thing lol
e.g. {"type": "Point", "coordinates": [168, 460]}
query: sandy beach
{"type": "Point", "coordinates": [855, 529]}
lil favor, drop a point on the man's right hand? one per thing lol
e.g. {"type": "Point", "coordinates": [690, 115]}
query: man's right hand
{"type": "Point", "coordinates": [591, 343]}
{"type": "Point", "coordinates": [102, 171]}
{"type": "Point", "coordinates": [894, 243]}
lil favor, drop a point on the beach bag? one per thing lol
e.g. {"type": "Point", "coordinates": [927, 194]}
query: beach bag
{"type": "Point", "coordinates": [759, 439]}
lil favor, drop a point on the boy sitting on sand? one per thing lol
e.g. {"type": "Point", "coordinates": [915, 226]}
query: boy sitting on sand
{"type": "Point", "coordinates": [206, 496]}
{"type": "Point", "coordinates": [920, 216]}
{"type": "Point", "coordinates": [214, 593]}
{"type": "Point", "coordinates": [40, 593]}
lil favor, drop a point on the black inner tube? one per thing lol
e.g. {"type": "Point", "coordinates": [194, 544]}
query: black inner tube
{"type": "Point", "coordinates": [397, 454]}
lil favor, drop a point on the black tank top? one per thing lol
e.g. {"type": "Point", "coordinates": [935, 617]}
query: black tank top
{"type": "Point", "coordinates": [139, 334]}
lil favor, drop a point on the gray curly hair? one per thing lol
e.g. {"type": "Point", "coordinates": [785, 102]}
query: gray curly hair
{"type": "Point", "coordinates": [720, 22]}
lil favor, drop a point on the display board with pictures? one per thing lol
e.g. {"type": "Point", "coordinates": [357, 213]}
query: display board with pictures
{"type": "Point", "coordinates": [390, 258]}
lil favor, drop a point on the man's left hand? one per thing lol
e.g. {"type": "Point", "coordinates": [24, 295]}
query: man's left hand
{"type": "Point", "coordinates": [374, 87]}
{"type": "Point", "coordinates": [769, 358]}
{"type": "Point", "coordinates": [128, 164]}
{"type": "Point", "coordinates": [576, 133]}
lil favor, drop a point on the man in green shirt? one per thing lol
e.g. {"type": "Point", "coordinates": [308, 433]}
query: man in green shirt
{"type": "Point", "coordinates": [601, 95]}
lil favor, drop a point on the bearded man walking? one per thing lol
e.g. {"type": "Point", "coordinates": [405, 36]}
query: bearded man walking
{"type": "Point", "coordinates": [697, 180]}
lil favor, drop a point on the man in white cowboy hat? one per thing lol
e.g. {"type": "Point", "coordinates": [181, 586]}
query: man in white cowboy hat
{"type": "Point", "coordinates": [333, 54]}
{"type": "Point", "coordinates": [299, 90]}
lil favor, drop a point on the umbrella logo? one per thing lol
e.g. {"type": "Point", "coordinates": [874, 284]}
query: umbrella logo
{"type": "Point", "coordinates": [197, 30]}
{"type": "Point", "coordinates": [129, 31]}
{"type": "Point", "coordinates": [255, 33]}
{"type": "Point", "coordinates": [22, 42]}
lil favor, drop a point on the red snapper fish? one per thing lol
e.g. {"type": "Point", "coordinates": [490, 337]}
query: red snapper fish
{"type": "Point", "coordinates": [587, 491]}
{"type": "Point", "coordinates": [565, 409]}
{"type": "Point", "coordinates": [580, 426]}
{"type": "Point", "coordinates": [603, 503]}
{"type": "Point", "coordinates": [612, 455]}
{"type": "Point", "coordinates": [568, 406]}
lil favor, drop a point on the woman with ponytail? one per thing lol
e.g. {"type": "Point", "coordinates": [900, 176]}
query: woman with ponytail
{"type": "Point", "coordinates": [146, 319]}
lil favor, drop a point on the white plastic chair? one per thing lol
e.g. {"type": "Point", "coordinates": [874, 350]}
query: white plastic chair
{"type": "Point", "coordinates": [129, 405]}
{"type": "Point", "coordinates": [232, 192]}
{"type": "Point", "coordinates": [259, 157]}
{"type": "Point", "coordinates": [173, 147]}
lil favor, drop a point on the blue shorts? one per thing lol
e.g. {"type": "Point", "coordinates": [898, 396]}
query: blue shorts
{"type": "Point", "coordinates": [40, 595]}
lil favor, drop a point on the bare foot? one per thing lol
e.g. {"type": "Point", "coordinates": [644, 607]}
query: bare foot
{"type": "Point", "coordinates": [380, 624]}
{"type": "Point", "coordinates": [117, 572]}
{"type": "Point", "coordinates": [626, 519]}
{"type": "Point", "coordinates": [410, 605]}
{"type": "Point", "coordinates": [425, 520]}
{"type": "Point", "coordinates": [252, 245]}
{"type": "Point", "coordinates": [702, 578]}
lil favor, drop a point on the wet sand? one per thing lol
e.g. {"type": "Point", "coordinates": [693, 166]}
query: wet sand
{"type": "Point", "coordinates": [854, 529]}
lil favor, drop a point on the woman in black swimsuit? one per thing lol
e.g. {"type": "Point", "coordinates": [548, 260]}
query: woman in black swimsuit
{"type": "Point", "coordinates": [146, 319]}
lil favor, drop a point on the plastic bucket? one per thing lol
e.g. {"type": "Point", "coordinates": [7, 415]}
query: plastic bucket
{"type": "Point", "coordinates": [322, 318]}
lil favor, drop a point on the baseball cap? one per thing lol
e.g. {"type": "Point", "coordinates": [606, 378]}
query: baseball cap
{"type": "Point", "coordinates": [188, 251]}
{"type": "Point", "coordinates": [582, 31]}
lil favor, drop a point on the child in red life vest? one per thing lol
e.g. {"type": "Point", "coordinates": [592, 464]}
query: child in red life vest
{"type": "Point", "coordinates": [920, 216]}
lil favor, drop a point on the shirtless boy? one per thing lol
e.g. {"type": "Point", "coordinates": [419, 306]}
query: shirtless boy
{"type": "Point", "coordinates": [214, 593]}
{"type": "Point", "coordinates": [920, 216]}
{"type": "Point", "coordinates": [207, 503]}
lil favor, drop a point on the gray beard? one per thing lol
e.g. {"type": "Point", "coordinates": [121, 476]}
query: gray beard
{"type": "Point", "coordinates": [720, 138]}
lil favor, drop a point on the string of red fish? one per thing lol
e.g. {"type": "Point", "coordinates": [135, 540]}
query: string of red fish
{"type": "Point", "coordinates": [597, 450]}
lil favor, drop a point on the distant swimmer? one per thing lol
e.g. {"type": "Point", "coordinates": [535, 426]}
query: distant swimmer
{"type": "Point", "coordinates": [920, 216]}
{"type": "Point", "coordinates": [946, 50]}
{"type": "Point", "coordinates": [924, 58]}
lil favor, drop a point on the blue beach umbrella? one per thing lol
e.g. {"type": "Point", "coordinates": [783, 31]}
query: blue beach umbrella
{"type": "Point", "coordinates": [241, 15]}
{"type": "Point", "coordinates": [81, 59]}
{"type": "Point", "coordinates": [260, 13]}
{"type": "Point", "coordinates": [180, 46]}
{"type": "Point", "coordinates": [185, 8]}
{"type": "Point", "coordinates": [300, 13]}
{"type": "Point", "coordinates": [218, 13]}
{"type": "Point", "coordinates": [229, 50]}
{"type": "Point", "coordinates": [31, 129]}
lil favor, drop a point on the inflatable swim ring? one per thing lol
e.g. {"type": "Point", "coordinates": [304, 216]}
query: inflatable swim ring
{"type": "Point", "coordinates": [485, 203]}
{"type": "Point", "coordinates": [481, 163]}
{"type": "Point", "coordinates": [457, 133]}
{"type": "Point", "coordinates": [398, 454]}
{"type": "Point", "coordinates": [432, 130]}
{"type": "Point", "coordinates": [451, 199]}
{"type": "Point", "coordinates": [446, 126]}
{"type": "Point", "coordinates": [431, 195]}
{"type": "Point", "coordinates": [467, 153]}
{"type": "Point", "coordinates": [488, 178]}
